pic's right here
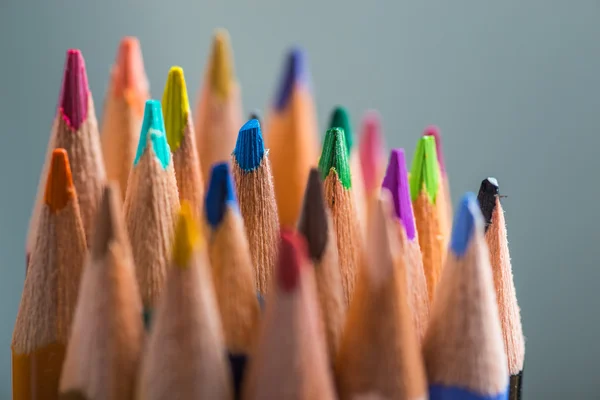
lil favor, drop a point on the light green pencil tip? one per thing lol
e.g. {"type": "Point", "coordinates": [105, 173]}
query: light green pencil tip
{"type": "Point", "coordinates": [335, 157]}
{"type": "Point", "coordinates": [341, 119]}
{"type": "Point", "coordinates": [176, 107]}
{"type": "Point", "coordinates": [425, 170]}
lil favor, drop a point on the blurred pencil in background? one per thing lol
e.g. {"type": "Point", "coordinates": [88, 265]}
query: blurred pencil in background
{"type": "Point", "coordinates": [292, 136]}
{"type": "Point", "coordinates": [372, 158]}
{"type": "Point", "coordinates": [254, 184]}
{"type": "Point", "coordinates": [218, 113]}
{"type": "Point", "coordinates": [50, 291]}
{"type": "Point", "coordinates": [123, 111]}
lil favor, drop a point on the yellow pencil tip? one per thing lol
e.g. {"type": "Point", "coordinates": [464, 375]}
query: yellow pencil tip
{"type": "Point", "coordinates": [221, 64]}
{"type": "Point", "coordinates": [176, 107]}
{"type": "Point", "coordinates": [187, 236]}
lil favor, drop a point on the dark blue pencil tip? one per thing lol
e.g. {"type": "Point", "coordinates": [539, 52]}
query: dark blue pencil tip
{"type": "Point", "coordinates": [220, 194]}
{"type": "Point", "coordinates": [465, 221]}
{"type": "Point", "coordinates": [295, 71]}
{"type": "Point", "coordinates": [249, 148]}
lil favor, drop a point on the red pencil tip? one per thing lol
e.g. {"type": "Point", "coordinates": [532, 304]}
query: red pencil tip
{"type": "Point", "coordinates": [292, 253]}
{"type": "Point", "coordinates": [73, 103]}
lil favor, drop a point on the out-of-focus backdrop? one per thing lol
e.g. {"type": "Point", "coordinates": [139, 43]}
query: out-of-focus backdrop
{"type": "Point", "coordinates": [514, 86]}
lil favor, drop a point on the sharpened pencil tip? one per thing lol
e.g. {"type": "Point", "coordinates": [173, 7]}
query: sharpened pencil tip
{"type": "Point", "coordinates": [249, 147]}
{"type": "Point", "coordinates": [255, 115]}
{"type": "Point", "coordinates": [335, 157]}
{"type": "Point", "coordinates": [129, 78]}
{"type": "Point", "coordinates": [487, 198]}
{"type": "Point", "coordinates": [341, 119]}
{"type": "Point", "coordinates": [371, 150]}
{"type": "Point", "coordinates": [434, 131]}
{"type": "Point", "coordinates": [108, 219]}
{"type": "Point", "coordinates": [221, 74]}
{"type": "Point", "coordinates": [295, 72]}
{"type": "Point", "coordinates": [424, 173]}
{"type": "Point", "coordinates": [187, 236]}
{"type": "Point", "coordinates": [73, 103]}
{"type": "Point", "coordinates": [466, 220]}
{"type": "Point", "coordinates": [59, 185]}
{"type": "Point", "coordinates": [220, 194]}
{"type": "Point", "coordinates": [292, 253]}
{"type": "Point", "coordinates": [153, 130]}
{"type": "Point", "coordinates": [396, 181]}
{"type": "Point", "coordinates": [313, 219]}
{"type": "Point", "coordinates": [176, 107]}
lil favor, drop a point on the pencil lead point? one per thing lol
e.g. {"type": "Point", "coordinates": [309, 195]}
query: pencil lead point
{"type": "Point", "coordinates": [73, 103]}
{"type": "Point", "coordinates": [335, 157]}
{"type": "Point", "coordinates": [255, 115]}
{"type": "Point", "coordinates": [108, 219]}
{"type": "Point", "coordinates": [341, 119]}
{"type": "Point", "coordinates": [59, 185]}
{"type": "Point", "coordinates": [153, 128]}
{"type": "Point", "coordinates": [186, 236]}
{"type": "Point", "coordinates": [176, 107]}
{"type": "Point", "coordinates": [487, 197]}
{"type": "Point", "coordinates": [466, 221]}
{"type": "Point", "coordinates": [220, 194]}
{"type": "Point", "coordinates": [313, 219]}
{"type": "Point", "coordinates": [424, 173]}
{"type": "Point", "coordinates": [434, 131]}
{"type": "Point", "coordinates": [396, 181]}
{"type": "Point", "coordinates": [295, 72]}
{"type": "Point", "coordinates": [292, 252]}
{"type": "Point", "coordinates": [371, 149]}
{"type": "Point", "coordinates": [249, 147]}
{"type": "Point", "coordinates": [130, 79]}
{"type": "Point", "coordinates": [221, 74]}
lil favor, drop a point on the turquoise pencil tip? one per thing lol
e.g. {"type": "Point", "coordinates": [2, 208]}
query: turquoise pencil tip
{"type": "Point", "coordinates": [466, 221]}
{"type": "Point", "coordinates": [249, 147]}
{"type": "Point", "coordinates": [220, 194]}
{"type": "Point", "coordinates": [153, 127]}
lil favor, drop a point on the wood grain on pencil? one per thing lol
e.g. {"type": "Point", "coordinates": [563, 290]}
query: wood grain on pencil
{"type": "Point", "coordinates": [184, 354]}
{"type": "Point", "coordinates": [105, 346]}
{"type": "Point", "coordinates": [51, 286]}
{"type": "Point", "coordinates": [292, 137]}
{"type": "Point", "coordinates": [123, 112]}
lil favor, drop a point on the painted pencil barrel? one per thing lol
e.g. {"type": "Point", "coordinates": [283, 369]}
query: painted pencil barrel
{"type": "Point", "coordinates": [37, 375]}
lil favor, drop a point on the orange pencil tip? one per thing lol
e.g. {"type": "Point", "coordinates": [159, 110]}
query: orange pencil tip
{"type": "Point", "coordinates": [59, 185]}
{"type": "Point", "coordinates": [129, 78]}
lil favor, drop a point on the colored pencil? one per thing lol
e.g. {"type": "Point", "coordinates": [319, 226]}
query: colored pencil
{"type": "Point", "coordinates": [75, 130]}
{"type": "Point", "coordinates": [123, 112]}
{"type": "Point", "coordinates": [182, 140]}
{"type": "Point", "coordinates": [290, 360]}
{"type": "Point", "coordinates": [105, 346]}
{"type": "Point", "coordinates": [150, 206]}
{"type": "Point", "coordinates": [508, 307]}
{"type": "Point", "coordinates": [424, 191]}
{"type": "Point", "coordinates": [341, 119]}
{"type": "Point", "coordinates": [50, 292]}
{"type": "Point", "coordinates": [317, 227]}
{"type": "Point", "coordinates": [254, 184]}
{"type": "Point", "coordinates": [396, 182]}
{"type": "Point", "coordinates": [380, 355]}
{"type": "Point", "coordinates": [337, 183]}
{"type": "Point", "coordinates": [372, 157]}
{"type": "Point", "coordinates": [463, 349]}
{"type": "Point", "coordinates": [292, 137]}
{"type": "Point", "coordinates": [255, 115]}
{"type": "Point", "coordinates": [444, 200]}
{"type": "Point", "coordinates": [232, 270]}
{"type": "Point", "coordinates": [219, 113]}
{"type": "Point", "coordinates": [184, 354]}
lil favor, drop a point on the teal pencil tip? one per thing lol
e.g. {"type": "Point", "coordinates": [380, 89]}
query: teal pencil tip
{"type": "Point", "coordinates": [153, 128]}
{"type": "Point", "coordinates": [341, 119]}
{"type": "Point", "coordinates": [335, 157]}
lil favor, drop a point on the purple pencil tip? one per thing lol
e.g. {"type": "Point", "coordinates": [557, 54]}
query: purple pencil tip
{"type": "Point", "coordinates": [73, 102]}
{"type": "Point", "coordinates": [396, 181]}
{"type": "Point", "coordinates": [434, 131]}
{"type": "Point", "coordinates": [295, 71]}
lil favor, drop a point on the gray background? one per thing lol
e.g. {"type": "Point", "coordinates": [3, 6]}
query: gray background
{"type": "Point", "coordinates": [513, 84]}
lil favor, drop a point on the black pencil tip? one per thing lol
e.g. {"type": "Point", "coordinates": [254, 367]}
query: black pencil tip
{"type": "Point", "coordinates": [488, 193]}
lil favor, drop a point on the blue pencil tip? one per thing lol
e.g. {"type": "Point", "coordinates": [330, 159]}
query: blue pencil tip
{"type": "Point", "coordinates": [220, 194]}
{"type": "Point", "coordinates": [465, 221]}
{"type": "Point", "coordinates": [296, 71]}
{"type": "Point", "coordinates": [154, 127]}
{"type": "Point", "coordinates": [249, 147]}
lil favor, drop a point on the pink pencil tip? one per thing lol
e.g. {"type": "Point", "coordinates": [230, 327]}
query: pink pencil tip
{"type": "Point", "coordinates": [371, 150]}
{"type": "Point", "coordinates": [73, 102]}
{"type": "Point", "coordinates": [292, 252]}
{"type": "Point", "coordinates": [434, 131]}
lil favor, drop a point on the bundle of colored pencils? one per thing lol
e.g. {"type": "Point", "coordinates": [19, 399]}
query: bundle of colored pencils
{"type": "Point", "coordinates": [180, 256]}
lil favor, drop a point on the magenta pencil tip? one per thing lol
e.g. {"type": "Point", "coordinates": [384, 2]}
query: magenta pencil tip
{"type": "Point", "coordinates": [73, 102]}
{"type": "Point", "coordinates": [396, 181]}
{"type": "Point", "coordinates": [371, 150]}
{"type": "Point", "coordinates": [434, 131]}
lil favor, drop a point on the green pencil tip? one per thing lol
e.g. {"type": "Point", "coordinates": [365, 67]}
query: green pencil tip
{"type": "Point", "coordinates": [425, 170]}
{"type": "Point", "coordinates": [176, 107]}
{"type": "Point", "coordinates": [341, 119]}
{"type": "Point", "coordinates": [335, 157]}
